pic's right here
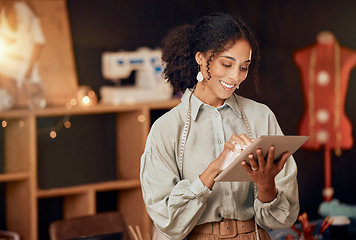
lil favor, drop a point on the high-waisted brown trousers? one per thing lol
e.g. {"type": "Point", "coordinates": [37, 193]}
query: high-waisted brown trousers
{"type": "Point", "coordinates": [228, 229]}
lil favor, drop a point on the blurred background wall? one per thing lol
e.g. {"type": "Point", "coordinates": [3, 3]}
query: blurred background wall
{"type": "Point", "coordinates": [281, 26]}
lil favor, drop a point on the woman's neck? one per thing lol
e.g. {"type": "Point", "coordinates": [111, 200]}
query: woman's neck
{"type": "Point", "coordinates": [207, 97]}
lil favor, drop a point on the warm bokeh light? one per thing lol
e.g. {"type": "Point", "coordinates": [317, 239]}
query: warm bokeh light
{"type": "Point", "coordinates": [85, 100]}
{"type": "Point", "coordinates": [86, 96]}
{"type": "Point", "coordinates": [68, 105]}
{"type": "Point", "coordinates": [67, 124]}
{"type": "Point", "coordinates": [4, 124]}
{"type": "Point", "coordinates": [53, 134]}
{"type": "Point", "coordinates": [91, 94]}
{"type": "Point", "coordinates": [141, 118]}
{"type": "Point", "coordinates": [73, 101]}
{"type": "Point", "coordinates": [21, 123]}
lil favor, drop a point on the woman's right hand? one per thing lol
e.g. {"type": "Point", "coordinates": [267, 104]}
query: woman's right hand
{"type": "Point", "coordinates": [232, 148]}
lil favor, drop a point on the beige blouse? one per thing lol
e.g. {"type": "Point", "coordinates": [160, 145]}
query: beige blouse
{"type": "Point", "coordinates": [175, 205]}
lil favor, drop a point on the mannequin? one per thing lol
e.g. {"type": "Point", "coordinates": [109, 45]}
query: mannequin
{"type": "Point", "coordinates": [325, 68]}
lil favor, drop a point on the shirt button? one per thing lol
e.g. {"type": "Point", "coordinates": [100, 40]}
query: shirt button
{"type": "Point", "coordinates": [220, 141]}
{"type": "Point", "coordinates": [216, 114]}
{"type": "Point", "coordinates": [227, 193]}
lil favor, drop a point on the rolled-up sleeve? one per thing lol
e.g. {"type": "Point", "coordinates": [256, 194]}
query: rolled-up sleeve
{"type": "Point", "coordinates": [174, 205]}
{"type": "Point", "coordinates": [283, 211]}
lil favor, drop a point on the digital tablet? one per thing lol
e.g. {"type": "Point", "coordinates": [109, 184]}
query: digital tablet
{"type": "Point", "coordinates": [236, 172]}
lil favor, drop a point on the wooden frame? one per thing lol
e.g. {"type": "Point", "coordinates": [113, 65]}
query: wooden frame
{"type": "Point", "coordinates": [57, 65]}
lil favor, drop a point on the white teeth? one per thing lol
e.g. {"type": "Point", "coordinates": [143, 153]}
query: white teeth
{"type": "Point", "coordinates": [227, 85]}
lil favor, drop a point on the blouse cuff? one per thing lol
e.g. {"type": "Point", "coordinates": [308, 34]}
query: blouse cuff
{"type": "Point", "coordinates": [268, 205]}
{"type": "Point", "coordinates": [200, 190]}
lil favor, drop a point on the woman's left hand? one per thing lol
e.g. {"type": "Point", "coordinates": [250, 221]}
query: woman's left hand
{"type": "Point", "coordinates": [263, 172]}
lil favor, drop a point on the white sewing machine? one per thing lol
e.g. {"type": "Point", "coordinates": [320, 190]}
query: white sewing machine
{"type": "Point", "coordinates": [149, 83]}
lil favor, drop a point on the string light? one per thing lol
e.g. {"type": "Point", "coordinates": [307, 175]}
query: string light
{"type": "Point", "coordinates": [69, 105]}
{"type": "Point", "coordinates": [73, 101]}
{"type": "Point", "coordinates": [141, 118]}
{"type": "Point", "coordinates": [85, 100]}
{"type": "Point", "coordinates": [67, 124]}
{"type": "Point", "coordinates": [85, 97]}
{"type": "Point", "coordinates": [21, 123]}
{"type": "Point", "coordinates": [4, 123]}
{"type": "Point", "coordinates": [53, 134]}
{"type": "Point", "coordinates": [63, 122]}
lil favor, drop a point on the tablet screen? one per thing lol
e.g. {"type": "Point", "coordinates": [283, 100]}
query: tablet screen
{"type": "Point", "coordinates": [235, 171]}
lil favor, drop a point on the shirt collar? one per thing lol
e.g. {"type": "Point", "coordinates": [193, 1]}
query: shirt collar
{"type": "Point", "coordinates": [232, 102]}
{"type": "Point", "coordinates": [196, 103]}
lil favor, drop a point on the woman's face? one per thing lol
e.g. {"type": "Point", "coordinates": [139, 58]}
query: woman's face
{"type": "Point", "coordinates": [227, 70]}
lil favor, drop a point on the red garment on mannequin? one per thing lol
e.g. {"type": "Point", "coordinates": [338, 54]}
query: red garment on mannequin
{"type": "Point", "coordinates": [325, 88]}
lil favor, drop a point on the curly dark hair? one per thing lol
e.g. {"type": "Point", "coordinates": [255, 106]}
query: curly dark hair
{"type": "Point", "coordinates": [216, 32]}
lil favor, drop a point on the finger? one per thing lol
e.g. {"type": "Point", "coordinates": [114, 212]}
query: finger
{"type": "Point", "coordinates": [253, 162]}
{"type": "Point", "coordinates": [233, 148]}
{"type": "Point", "coordinates": [228, 150]}
{"type": "Point", "coordinates": [229, 146]}
{"type": "Point", "coordinates": [282, 161]}
{"type": "Point", "coordinates": [246, 139]}
{"type": "Point", "coordinates": [246, 166]}
{"type": "Point", "coordinates": [260, 158]}
{"type": "Point", "coordinates": [238, 141]}
{"type": "Point", "coordinates": [237, 146]}
{"type": "Point", "coordinates": [270, 156]}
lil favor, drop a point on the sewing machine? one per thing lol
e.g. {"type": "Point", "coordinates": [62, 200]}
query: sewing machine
{"type": "Point", "coordinates": [149, 83]}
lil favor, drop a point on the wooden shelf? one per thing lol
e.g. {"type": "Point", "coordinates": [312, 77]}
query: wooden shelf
{"type": "Point", "coordinates": [17, 176]}
{"type": "Point", "coordinates": [97, 187]}
{"type": "Point", "coordinates": [97, 109]}
{"type": "Point", "coordinates": [132, 125]}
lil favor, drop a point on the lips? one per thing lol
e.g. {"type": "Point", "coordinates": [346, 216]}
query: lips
{"type": "Point", "coordinates": [226, 85]}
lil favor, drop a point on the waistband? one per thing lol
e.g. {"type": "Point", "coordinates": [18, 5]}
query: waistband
{"type": "Point", "coordinates": [227, 228]}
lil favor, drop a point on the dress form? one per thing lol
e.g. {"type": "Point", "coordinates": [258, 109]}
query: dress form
{"type": "Point", "coordinates": [325, 68]}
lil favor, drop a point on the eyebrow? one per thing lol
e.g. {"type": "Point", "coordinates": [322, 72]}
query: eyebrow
{"type": "Point", "coordinates": [234, 59]}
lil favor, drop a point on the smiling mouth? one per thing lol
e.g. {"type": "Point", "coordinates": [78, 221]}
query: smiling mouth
{"type": "Point", "coordinates": [226, 85]}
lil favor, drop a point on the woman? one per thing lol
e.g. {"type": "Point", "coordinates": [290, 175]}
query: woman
{"type": "Point", "coordinates": [191, 144]}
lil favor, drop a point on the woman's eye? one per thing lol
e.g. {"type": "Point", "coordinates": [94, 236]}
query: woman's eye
{"type": "Point", "coordinates": [244, 68]}
{"type": "Point", "coordinates": [226, 65]}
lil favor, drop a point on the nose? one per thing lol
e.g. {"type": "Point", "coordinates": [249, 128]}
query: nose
{"type": "Point", "coordinates": [234, 73]}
